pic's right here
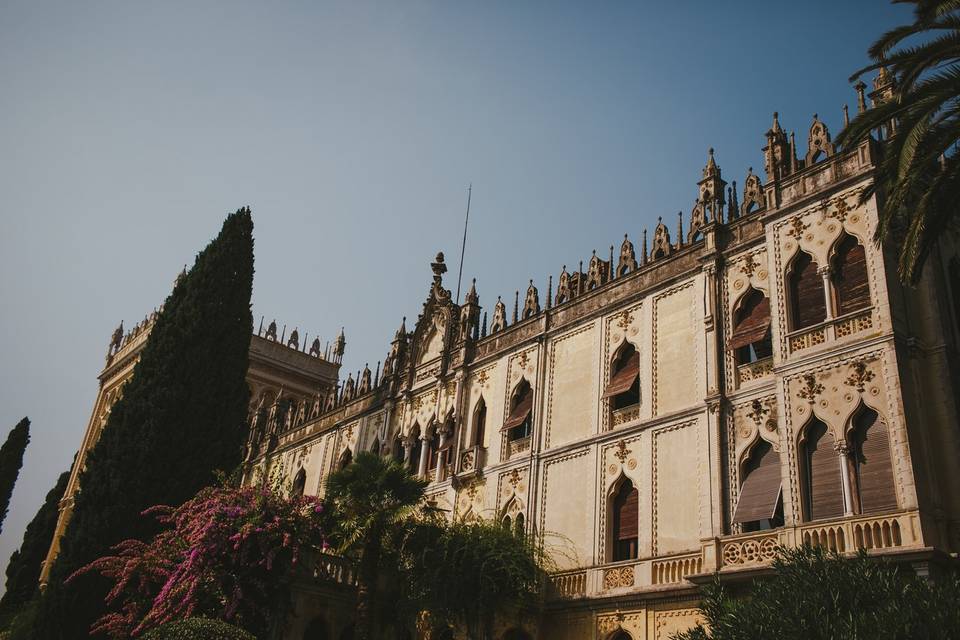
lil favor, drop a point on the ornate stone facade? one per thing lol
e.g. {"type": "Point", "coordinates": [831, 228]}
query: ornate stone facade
{"type": "Point", "coordinates": [688, 389]}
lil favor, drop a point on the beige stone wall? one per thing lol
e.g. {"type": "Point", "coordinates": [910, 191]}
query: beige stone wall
{"type": "Point", "coordinates": [677, 330]}
{"type": "Point", "coordinates": [573, 392]}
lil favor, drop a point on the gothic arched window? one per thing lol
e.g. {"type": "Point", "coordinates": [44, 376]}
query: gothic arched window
{"type": "Point", "coordinates": [434, 455]}
{"type": "Point", "coordinates": [751, 328]}
{"type": "Point", "coordinates": [625, 522]}
{"type": "Point", "coordinates": [624, 386]}
{"type": "Point", "coordinates": [822, 484]}
{"type": "Point", "coordinates": [479, 422]}
{"type": "Point", "coordinates": [851, 288]}
{"type": "Point", "coordinates": [299, 483]}
{"type": "Point", "coordinates": [518, 525]}
{"type": "Point", "coordinates": [519, 423]}
{"type": "Point", "coordinates": [760, 505]}
{"type": "Point", "coordinates": [398, 449]}
{"type": "Point", "coordinates": [808, 306]}
{"type": "Point", "coordinates": [415, 450]}
{"type": "Point", "coordinates": [345, 459]}
{"type": "Point", "coordinates": [872, 466]}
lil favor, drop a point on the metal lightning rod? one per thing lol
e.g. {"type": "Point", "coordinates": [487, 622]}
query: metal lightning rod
{"type": "Point", "coordinates": [463, 247]}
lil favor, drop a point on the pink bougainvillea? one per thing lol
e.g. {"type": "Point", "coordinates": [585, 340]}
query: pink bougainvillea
{"type": "Point", "coordinates": [224, 554]}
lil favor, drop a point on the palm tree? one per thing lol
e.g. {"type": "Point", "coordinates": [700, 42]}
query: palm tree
{"type": "Point", "coordinates": [370, 497]}
{"type": "Point", "coordinates": [918, 107]}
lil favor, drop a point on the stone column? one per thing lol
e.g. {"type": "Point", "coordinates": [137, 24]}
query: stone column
{"type": "Point", "coordinates": [824, 272]}
{"type": "Point", "coordinates": [424, 455]}
{"type": "Point", "coordinates": [843, 453]}
{"type": "Point", "coordinates": [407, 450]}
{"type": "Point", "coordinates": [441, 455]}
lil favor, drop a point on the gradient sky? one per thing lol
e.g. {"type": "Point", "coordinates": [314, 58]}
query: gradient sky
{"type": "Point", "coordinates": [128, 130]}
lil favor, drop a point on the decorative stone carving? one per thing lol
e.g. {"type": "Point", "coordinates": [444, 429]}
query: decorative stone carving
{"type": "Point", "coordinates": [618, 578]}
{"type": "Point", "coordinates": [499, 322]}
{"type": "Point", "coordinates": [752, 194]}
{"type": "Point", "coordinates": [628, 258]}
{"type": "Point", "coordinates": [531, 304]}
{"type": "Point", "coordinates": [818, 141]}
{"type": "Point", "coordinates": [661, 241]}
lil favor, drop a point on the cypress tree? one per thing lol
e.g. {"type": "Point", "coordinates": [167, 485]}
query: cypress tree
{"type": "Point", "coordinates": [181, 418]}
{"type": "Point", "coordinates": [11, 459]}
{"type": "Point", "coordinates": [23, 571]}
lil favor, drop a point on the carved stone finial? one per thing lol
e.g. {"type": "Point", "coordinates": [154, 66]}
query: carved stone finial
{"type": "Point", "coordinates": [752, 194]}
{"type": "Point", "coordinates": [818, 141]}
{"type": "Point", "coordinates": [564, 291]}
{"type": "Point", "coordinates": [661, 241]}
{"type": "Point", "coordinates": [499, 321]}
{"type": "Point", "coordinates": [776, 160]}
{"type": "Point", "coordinates": [628, 258]}
{"type": "Point", "coordinates": [860, 88]}
{"type": "Point", "coordinates": [531, 304]}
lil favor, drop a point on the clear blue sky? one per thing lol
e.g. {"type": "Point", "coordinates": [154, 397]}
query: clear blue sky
{"type": "Point", "coordinates": [128, 130]}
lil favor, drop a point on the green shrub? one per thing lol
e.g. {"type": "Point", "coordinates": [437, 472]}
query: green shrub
{"type": "Point", "coordinates": [197, 629]}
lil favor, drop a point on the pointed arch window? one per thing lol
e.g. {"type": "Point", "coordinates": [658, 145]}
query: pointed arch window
{"type": "Point", "coordinates": [625, 522]}
{"type": "Point", "coordinates": [760, 505]}
{"type": "Point", "coordinates": [518, 524]}
{"type": "Point", "coordinates": [299, 483]}
{"type": "Point", "coordinates": [624, 386]}
{"type": "Point", "coordinates": [375, 447]}
{"type": "Point", "coordinates": [519, 423]}
{"type": "Point", "coordinates": [822, 484]}
{"type": "Point", "coordinates": [507, 523]}
{"type": "Point", "coordinates": [872, 465]}
{"type": "Point", "coordinates": [808, 306]}
{"type": "Point", "coordinates": [398, 449]}
{"type": "Point", "coordinates": [345, 459]}
{"type": "Point", "coordinates": [479, 422]}
{"type": "Point", "coordinates": [751, 328]}
{"type": "Point", "coordinates": [851, 288]}
{"type": "Point", "coordinates": [434, 454]}
{"type": "Point", "coordinates": [415, 450]}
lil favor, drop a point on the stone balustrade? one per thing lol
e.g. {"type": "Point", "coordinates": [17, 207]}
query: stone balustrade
{"type": "Point", "coordinates": [734, 553]}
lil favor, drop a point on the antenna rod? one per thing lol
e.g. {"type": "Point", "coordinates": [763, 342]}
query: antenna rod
{"type": "Point", "coordinates": [463, 247]}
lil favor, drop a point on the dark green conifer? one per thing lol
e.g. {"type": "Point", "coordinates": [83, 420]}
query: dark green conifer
{"type": "Point", "coordinates": [23, 571]}
{"type": "Point", "coordinates": [181, 418]}
{"type": "Point", "coordinates": [11, 459]}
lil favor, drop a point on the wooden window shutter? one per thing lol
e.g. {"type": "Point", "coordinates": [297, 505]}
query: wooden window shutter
{"type": "Point", "coordinates": [521, 410]}
{"type": "Point", "coordinates": [479, 423]}
{"type": "Point", "coordinates": [626, 516]}
{"type": "Point", "coordinates": [623, 379]}
{"type": "Point", "coordinates": [626, 512]}
{"type": "Point", "coordinates": [824, 488]}
{"type": "Point", "coordinates": [850, 276]}
{"type": "Point", "coordinates": [761, 485]}
{"type": "Point", "coordinates": [874, 468]}
{"type": "Point", "coordinates": [808, 306]}
{"type": "Point", "coordinates": [753, 320]}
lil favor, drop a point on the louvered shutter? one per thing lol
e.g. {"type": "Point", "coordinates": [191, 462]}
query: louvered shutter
{"type": "Point", "coordinates": [806, 293]}
{"type": "Point", "coordinates": [850, 277]}
{"type": "Point", "coordinates": [824, 486]}
{"type": "Point", "coordinates": [754, 325]}
{"type": "Point", "coordinates": [626, 507]}
{"type": "Point", "coordinates": [520, 411]}
{"type": "Point", "coordinates": [623, 379]}
{"type": "Point", "coordinates": [479, 424]}
{"type": "Point", "coordinates": [874, 467]}
{"type": "Point", "coordinates": [761, 487]}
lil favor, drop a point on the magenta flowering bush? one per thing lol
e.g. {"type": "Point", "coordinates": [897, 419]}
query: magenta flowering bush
{"type": "Point", "coordinates": [225, 554]}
